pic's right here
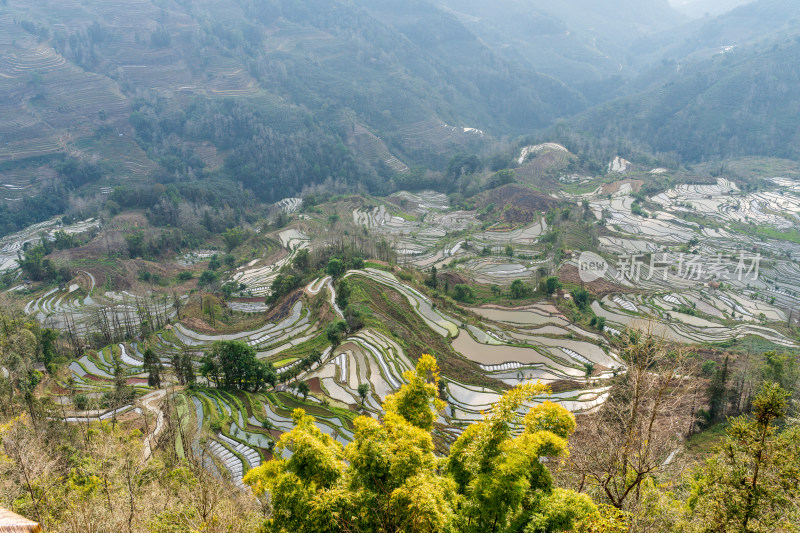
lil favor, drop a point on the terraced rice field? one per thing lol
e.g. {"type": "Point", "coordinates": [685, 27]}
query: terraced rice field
{"type": "Point", "coordinates": [291, 330]}
{"type": "Point", "coordinates": [249, 427]}
{"type": "Point", "coordinates": [726, 202]}
{"type": "Point", "coordinates": [96, 373]}
{"type": "Point", "coordinates": [528, 316]}
{"type": "Point", "coordinates": [367, 357]}
{"type": "Point", "coordinates": [11, 245]}
{"type": "Point", "coordinates": [290, 205]}
{"type": "Point", "coordinates": [683, 328]}
{"type": "Point", "coordinates": [258, 275]}
{"type": "Point", "coordinates": [500, 270]}
{"type": "Point", "coordinates": [70, 97]}
{"type": "Point", "coordinates": [666, 229]}
{"type": "Point", "coordinates": [86, 310]}
{"type": "Point", "coordinates": [466, 404]}
{"type": "Point", "coordinates": [372, 148]}
{"type": "Point", "coordinates": [527, 235]}
{"type": "Point", "coordinates": [418, 236]}
{"type": "Point", "coordinates": [437, 321]}
{"type": "Point", "coordinates": [435, 134]}
{"type": "Point", "coordinates": [539, 148]}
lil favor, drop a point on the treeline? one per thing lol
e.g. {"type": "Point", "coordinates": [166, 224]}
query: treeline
{"type": "Point", "coordinates": [76, 173]}
{"type": "Point", "coordinates": [270, 163]}
{"type": "Point", "coordinates": [37, 268]}
{"type": "Point", "coordinates": [137, 317]}
{"type": "Point", "coordinates": [197, 209]}
{"type": "Point", "coordinates": [49, 202]}
{"type": "Point", "coordinates": [54, 198]}
{"type": "Point", "coordinates": [233, 365]}
{"type": "Point", "coordinates": [733, 383]}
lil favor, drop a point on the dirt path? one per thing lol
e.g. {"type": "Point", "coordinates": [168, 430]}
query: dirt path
{"type": "Point", "coordinates": [152, 403]}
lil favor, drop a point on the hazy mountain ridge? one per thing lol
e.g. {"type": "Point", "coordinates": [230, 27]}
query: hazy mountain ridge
{"type": "Point", "coordinates": [574, 41]}
{"type": "Point", "coordinates": [719, 101]}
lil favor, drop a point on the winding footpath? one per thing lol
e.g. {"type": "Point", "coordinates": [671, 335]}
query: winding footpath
{"type": "Point", "coordinates": [152, 402]}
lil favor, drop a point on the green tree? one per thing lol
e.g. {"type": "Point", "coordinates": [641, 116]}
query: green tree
{"type": "Point", "coordinates": [462, 165]}
{"type": "Point", "coordinates": [301, 260]}
{"type": "Point", "coordinates": [47, 341]}
{"type": "Point", "coordinates": [342, 293]}
{"type": "Point", "coordinates": [282, 285]}
{"type": "Point", "coordinates": [387, 479]}
{"type": "Point", "coordinates": [233, 237]}
{"type": "Point", "coordinates": [752, 482]}
{"type": "Point", "coordinates": [505, 485]}
{"type": "Point", "coordinates": [582, 298]}
{"type": "Point", "coordinates": [335, 267]}
{"type": "Point", "coordinates": [228, 289]}
{"type": "Point", "coordinates": [518, 289]}
{"type": "Point", "coordinates": [463, 293]}
{"type": "Point", "coordinates": [433, 280]}
{"type": "Point", "coordinates": [153, 366]}
{"type": "Point", "coordinates": [354, 315]}
{"type": "Point", "coordinates": [210, 305]}
{"type": "Point", "coordinates": [31, 262]}
{"type": "Point", "coordinates": [416, 401]}
{"type": "Point", "coordinates": [504, 177]}
{"type": "Point", "coordinates": [183, 366]}
{"type": "Point", "coordinates": [135, 243]}
{"type": "Point", "coordinates": [233, 365]}
{"type": "Point", "coordinates": [552, 284]}
{"type": "Point", "coordinates": [207, 278]}
{"type": "Point", "coordinates": [783, 369]}
{"type": "Point", "coordinates": [363, 392]}
{"type": "Point", "coordinates": [303, 388]}
{"type": "Point", "coordinates": [335, 331]}
{"type": "Point", "coordinates": [718, 392]}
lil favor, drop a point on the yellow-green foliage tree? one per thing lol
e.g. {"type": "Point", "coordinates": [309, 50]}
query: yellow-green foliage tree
{"type": "Point", "coordinates": [752, 482]}
{"type": "Point", "coordinates": [389, 479]}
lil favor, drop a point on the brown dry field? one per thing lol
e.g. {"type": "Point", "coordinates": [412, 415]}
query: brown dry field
{"type": "Point", "coordinates": [611, 188]}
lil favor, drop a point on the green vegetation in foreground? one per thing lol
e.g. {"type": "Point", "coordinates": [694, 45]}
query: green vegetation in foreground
{"type": "Point", "coordinates": [389, 479]}
{"type": "Point", "coordinates": [703, 443]}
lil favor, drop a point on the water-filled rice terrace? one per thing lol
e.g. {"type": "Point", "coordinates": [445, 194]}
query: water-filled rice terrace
{"type": "Point", "coordinates": [502, 345]}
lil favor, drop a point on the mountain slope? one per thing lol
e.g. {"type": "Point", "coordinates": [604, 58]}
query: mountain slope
{"type": "Point", "coordinates": [741, 102]}
{"type": "Point", "coordinates": [574, 40]}
{"type": "Point", "coordinates": [277, 95]}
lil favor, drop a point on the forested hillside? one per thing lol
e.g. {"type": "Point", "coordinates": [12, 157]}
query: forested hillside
{"type": "Point", "coordinates": [579, 42]}
{"type": "Point", "coordinates": [267, 94]}
{"type": "Point", "coordinates": [740, 102]}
